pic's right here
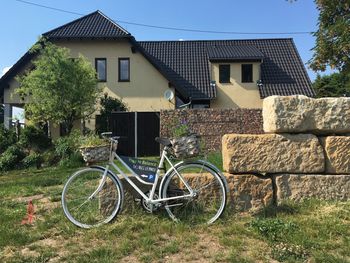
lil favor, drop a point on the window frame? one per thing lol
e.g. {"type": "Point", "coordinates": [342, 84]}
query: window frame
{"type": "Point", "coordinates": [119, 69]}
{"type": "Point", "coordinates": [244, 80]}
{"type": "Point", "coordinates": [229, 73]}
{"type": "Point", "coordinates": [96, 68]}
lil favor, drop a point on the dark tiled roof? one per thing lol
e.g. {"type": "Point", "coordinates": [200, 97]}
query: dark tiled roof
{"type": "Point", "coordinates": [234, 53]}
{"type": "Point", "coordinates": [94, 25]}
{"type": "Point", "coordinates": [282, 71]}
{"type": "Point", "coordinates": [185, 65]}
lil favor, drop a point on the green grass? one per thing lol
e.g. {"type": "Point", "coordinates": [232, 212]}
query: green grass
{"type": "Point", "coordinates": [313, 231]}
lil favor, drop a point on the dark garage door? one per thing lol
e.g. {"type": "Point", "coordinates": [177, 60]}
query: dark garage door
{"type": "Point", "coordinates": [139, 130]}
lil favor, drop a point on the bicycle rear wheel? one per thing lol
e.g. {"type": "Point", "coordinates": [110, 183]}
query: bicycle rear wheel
{"type": "Point", "coordinates": [210, 194]}
{"type": "Point", "coordinates": [89, 201]}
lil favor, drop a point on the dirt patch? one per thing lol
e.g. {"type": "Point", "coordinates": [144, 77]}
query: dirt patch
{"type": "Point", "coordinates": [129, 259]}
{"type": "Point", "coordinates": [26, 199]}
{"type": "Point", "coordinates": [26, 252]}
{"type": "Point", "coordinates": [203, 251]}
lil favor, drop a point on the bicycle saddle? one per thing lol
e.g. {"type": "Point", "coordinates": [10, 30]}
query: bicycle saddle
{"type": "Point", "coordinates": [163, 141]}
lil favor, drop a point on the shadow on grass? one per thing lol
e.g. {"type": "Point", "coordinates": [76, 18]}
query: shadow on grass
{"type": "Point", "coordinates": [273, 210]}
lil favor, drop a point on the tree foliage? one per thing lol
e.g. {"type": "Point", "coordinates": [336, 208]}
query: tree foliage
{"type": "Point", "coordinates": [333, 36]}
{"type": "Point", "coordinates": [60, 89]}
{"type": "Point", "coordinates": [334, 85]}
{"type": "Point", "coordinates": [108, 106]}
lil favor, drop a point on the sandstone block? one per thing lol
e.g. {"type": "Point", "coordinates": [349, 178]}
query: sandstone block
{"type": "Point", "coordinates": [298, 187]}
{"type": "Point", "coordinates": [249, 192]}
{"type": "Point", "coordinates": [337, 154]}
{"type": "Point", "coordinates": [294, 114]}
{"type": "Point", "coordinates": [272, 153]}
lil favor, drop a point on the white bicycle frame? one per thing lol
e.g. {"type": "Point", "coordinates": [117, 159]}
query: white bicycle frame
{"type": "Point", "coordinates": [149, 199]}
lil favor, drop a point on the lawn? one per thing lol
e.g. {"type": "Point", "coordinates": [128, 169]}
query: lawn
{"type": "Point", "coordinates": [313, 231]}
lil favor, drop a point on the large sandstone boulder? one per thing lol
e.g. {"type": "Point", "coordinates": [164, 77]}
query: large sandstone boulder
{"type": "Point", "coordinates": [298, 187]}
{"type": "Point", "coordinates": [294, 114]}
{"type": "Point", "coordinates": [337, 154]}
{"type": "Point", "coordinates": [249, 192]}
{"type": "Point", "coordinates": [272, 153]}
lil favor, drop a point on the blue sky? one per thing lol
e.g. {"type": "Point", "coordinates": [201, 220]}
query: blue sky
{"type": "Point", "coordinates": [22, 24]}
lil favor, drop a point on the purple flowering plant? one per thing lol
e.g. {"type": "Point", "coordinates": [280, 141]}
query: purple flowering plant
{"type": "Point", "coordinates": [180, 128]}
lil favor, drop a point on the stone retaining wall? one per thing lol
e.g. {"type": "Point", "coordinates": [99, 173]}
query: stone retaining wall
{"type": "Point", "coordinates": [212, 124]}
{"type": "Point", "coordinates": [305, 152]}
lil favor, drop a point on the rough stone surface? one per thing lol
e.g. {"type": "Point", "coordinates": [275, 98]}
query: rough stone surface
{"type": "Point", "coordinates": [95, 154]}
{"type": "Point", "coordinates": [294, 114]}
{"type": "Point", "coordinates": [212, 124]}
{"type": "Point", "coordinates": [337, 154]}
{"type": "Point", "coordinates": [249, 192]}
{"type": "Point", "coordinates": [272, 153]}
{"type": "Point", "coordinates": [298, 187]}
{"type": "Point", "coordinates": [246, 192]}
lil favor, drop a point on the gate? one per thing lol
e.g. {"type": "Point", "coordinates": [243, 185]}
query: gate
{"type": "Point", "coordinates": [138, 130]}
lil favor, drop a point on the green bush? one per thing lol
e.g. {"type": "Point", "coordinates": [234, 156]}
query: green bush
{"type": "Point", "coordinates": [67, 145]}
{"type": "Point", "coordinates": [7, 138]}
{"type": "Point", "coordinates": [92, 139]}
{"type": "Point", "coordinates": [50, 158]}
{"type": "Point", "coordinates": [74, 160]}
{"type": "Point", "coordinates": [34, 159]}
{"type": "Point", "coordinates": [34, 139]}
{"type": "Point", "coordinates": [11, 157]}
{"type": "Point", "coordinates": [67, 150]}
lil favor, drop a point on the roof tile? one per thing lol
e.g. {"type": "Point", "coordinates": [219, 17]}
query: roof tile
{"type": "Point", "coordinates": [94, 25]}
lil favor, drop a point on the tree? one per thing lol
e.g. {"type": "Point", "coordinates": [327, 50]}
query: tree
{"type": "Point", "coordinates": [60, 89]}
{"type": "Point", "coordinates": [333, 36]}
{"type": "Point", "coordinates": [334, 85]}
{"type": "Point", "coordinates": [108, 106]}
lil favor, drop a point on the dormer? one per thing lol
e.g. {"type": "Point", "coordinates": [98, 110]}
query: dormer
{"type": "Point", "coordinates": [232, 65]}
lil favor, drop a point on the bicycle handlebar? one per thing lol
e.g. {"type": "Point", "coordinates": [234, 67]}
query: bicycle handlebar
{"type": "Point", "coordinates": [108, 135]}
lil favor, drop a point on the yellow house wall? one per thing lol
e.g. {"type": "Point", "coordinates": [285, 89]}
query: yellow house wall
{"type": "Point", "coordinates": [236, 94]}
{"type": "Point", "coordinates": [145, 90]}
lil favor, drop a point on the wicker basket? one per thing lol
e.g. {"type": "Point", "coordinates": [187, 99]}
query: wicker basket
{"type": "Point", "coordinates": [95, 154]}
{"type": "Point", "coordinates": [186, 146]}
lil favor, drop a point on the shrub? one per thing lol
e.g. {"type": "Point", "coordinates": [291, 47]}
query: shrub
{"type": "Point", "coordinates": [74, 160]}
{"type": "Point", "coordinates": [92, 139]}
{"type": "Point", "coordinates": [108, 105]}
{"type": "Point", "coordinates": [7, 138]}
{"type": "Point", "coordinates": [67, 145]}
{"type": "Point", "coordinates": [35, 139]}
{"type": "Point", "coordinates": [11, 157]}
{"type": "Point", "coordinates": [50, 158]}
{"type": "Point", "coordinates": [34, 159]}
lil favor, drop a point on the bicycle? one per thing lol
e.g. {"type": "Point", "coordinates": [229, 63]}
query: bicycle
{"type": "Point", "coordinates": [194, 191]}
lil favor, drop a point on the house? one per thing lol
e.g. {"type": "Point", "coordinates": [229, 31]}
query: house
{"type": "Point", "coordinates": [203, 74]}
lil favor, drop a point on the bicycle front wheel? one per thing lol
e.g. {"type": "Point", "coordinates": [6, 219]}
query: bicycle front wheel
{"type": "Point", "coordinates": [209, 199]}
{"type": "Point", "coordinates": [89, 199]}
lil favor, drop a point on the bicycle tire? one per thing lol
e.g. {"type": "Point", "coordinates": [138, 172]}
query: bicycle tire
{"type": "Point", "coordinates": [210, 202]}
{"type": "Point", "coordinates": [102, 208]}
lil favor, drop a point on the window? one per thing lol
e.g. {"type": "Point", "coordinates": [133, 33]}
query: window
{"type": "Point", "coordinates": [101, 69]}
{"type": "Point", "coordinates": [124, 69]}
{"type": "Point", "coordinates": [224, 73]}
{"type": "Point", "coordinates": [247, 73]}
